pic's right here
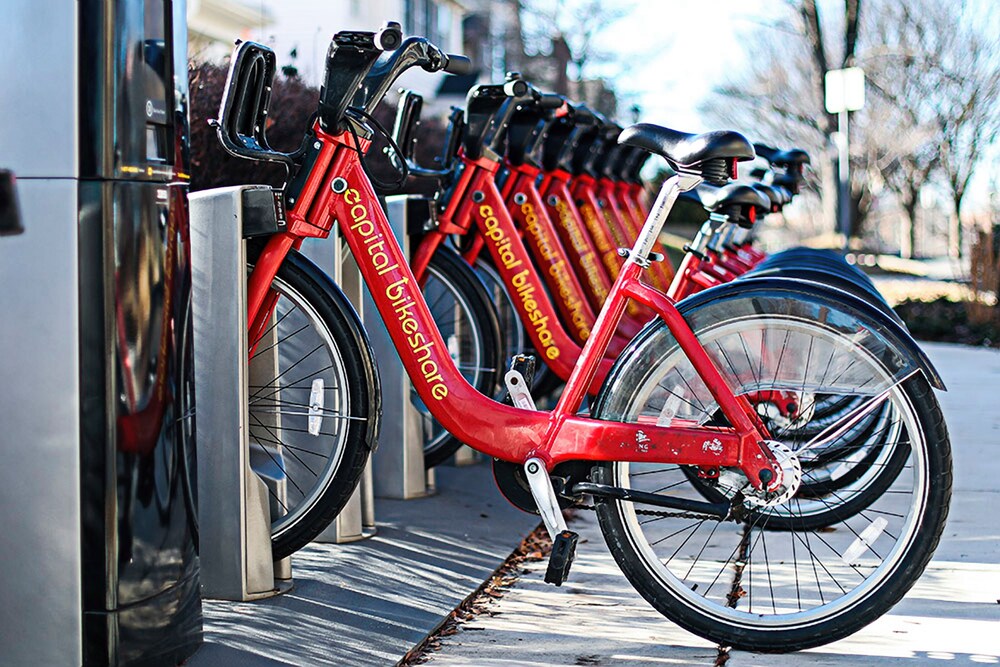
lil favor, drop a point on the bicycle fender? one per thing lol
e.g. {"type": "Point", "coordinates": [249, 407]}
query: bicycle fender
{"type": "Point", "coordinates": [891, 327]}
{"type": "Point", "coordinates": [359, 336]}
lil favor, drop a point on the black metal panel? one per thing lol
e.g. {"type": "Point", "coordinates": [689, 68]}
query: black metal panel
{"type": "Point", "coordinates": [263, 212]}
{"type": "Point", "coordinates": [133, 99]}
{"type": "Point", "coordinates": [141, 599]}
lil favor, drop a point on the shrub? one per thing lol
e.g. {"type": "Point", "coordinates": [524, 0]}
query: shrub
{"type": "Point", "coordinates": [984, 278]}
{"type": "Point", "coordinates": [293, 104]}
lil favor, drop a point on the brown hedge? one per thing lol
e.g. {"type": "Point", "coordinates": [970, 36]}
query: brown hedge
{"type": "Point", "coordinates": [292, 105]}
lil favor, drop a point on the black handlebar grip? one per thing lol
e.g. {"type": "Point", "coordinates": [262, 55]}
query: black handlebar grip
{"type": "Point", "coordinates": [550, 101]}
{"type": "Point", "coordinates": [389, 37]}
{"type": "Point", "coordinates": [458, 65]}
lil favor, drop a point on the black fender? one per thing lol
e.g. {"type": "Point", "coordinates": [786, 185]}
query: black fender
{"type": "Point", "coordinates": [839, 281]}
{"type": "Point", "coordinates": [894, 332]}
{"type": "Point", "coordinates": [893, 328]}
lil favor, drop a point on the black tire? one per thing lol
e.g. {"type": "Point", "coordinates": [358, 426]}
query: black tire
{"type": "Point", "coordinates": [320, 441]}
{"type": "Point", "coordinates": [467, 319]}
{"type": "Point", "coordinates": [789, 590]}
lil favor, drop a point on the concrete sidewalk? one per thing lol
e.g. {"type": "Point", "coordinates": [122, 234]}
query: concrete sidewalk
{"type": "Point", "coordinates": [951, 616]}
{"type": "Point", "coordinates": [369, 602]}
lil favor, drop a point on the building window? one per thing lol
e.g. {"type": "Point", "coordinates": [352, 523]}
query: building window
{"type": "Point", "coordinates": [426, 18]}
{"type": "Point", "coordinates": [413, 16]}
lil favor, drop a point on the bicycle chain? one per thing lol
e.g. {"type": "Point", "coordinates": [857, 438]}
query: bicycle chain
{"type": "Point", "coordinates": [665, 514]}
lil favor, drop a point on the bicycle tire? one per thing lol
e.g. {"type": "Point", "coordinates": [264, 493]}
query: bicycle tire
{"type": "Point", "coordinates": [467, 319]}
{"type": "Point", "coordinates": [313, 416]}
{"type": "Point", "coordinates": [680, 586]}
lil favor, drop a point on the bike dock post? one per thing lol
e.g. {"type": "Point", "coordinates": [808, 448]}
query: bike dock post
{"type": "Point", "coordinates": [399, 470]}
{"type": "Point", "coordinates": [357, 520]}
{"type": "Point", "coordinates": [238, 484]}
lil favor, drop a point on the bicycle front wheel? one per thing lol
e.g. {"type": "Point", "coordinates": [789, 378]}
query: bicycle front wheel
{"type": "Point", "coordinates": [314, 404]}
{"type": "Point", "coordinates": [848, 551]}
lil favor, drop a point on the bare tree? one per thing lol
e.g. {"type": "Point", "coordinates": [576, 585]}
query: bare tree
{"type": "Point", "coordinates": [966, 74]}
{"type": "Point", "coordinates": [780, 98]}
{"type": "Point", "coordinates": [933, 102]}
{"type": "Point", "coordinates": [562, 36]}
{"type": "Point", "coordinates": [936, 68]}
{"type": "Point", "coordinates": [902, 136]}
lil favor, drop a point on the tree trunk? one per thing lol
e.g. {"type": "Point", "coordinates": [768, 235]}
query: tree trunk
{"type": "Point", "coordinates": [561, 57]}
{"type": "Point", "coordinates": [909, 248]}
{"type": "Point", "coordinates": [514, 47]}
{"type": "Point", "coordinates": [955, 228]}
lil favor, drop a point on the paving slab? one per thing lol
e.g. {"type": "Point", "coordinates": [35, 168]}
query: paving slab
{"type": "Point", "coordinates": [952, 615]}
{"type": "Point", "coordinates": [369, 602]}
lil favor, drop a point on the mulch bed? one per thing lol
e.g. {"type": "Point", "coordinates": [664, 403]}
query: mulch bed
{"type": "Point", "coordinates": [534, 547]}
{"type": "Point", "coordinates": [946, 321]}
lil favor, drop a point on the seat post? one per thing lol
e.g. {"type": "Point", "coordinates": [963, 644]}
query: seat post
{"type": "Point", "coordinates": [665, 200]}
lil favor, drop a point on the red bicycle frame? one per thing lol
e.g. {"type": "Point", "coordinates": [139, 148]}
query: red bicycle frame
{"type": "Point", "coordinates": [607, 194]}
{"type": "Point", "coordinates": [476, 200]}
{"type": "Point", "coordinates": [589, 269]}
{"type": "Point", "coordinates": [337, 189]}
{"type": "Point", "coordinates": [528, 211]}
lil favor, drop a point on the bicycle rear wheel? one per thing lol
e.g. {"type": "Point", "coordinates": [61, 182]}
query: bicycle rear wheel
{"type": "Point", "coordinates": [844, 557]}
{"type": "Point", "coordinates": [314, 403]}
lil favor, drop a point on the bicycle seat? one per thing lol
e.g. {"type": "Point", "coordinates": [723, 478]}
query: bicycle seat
{"type": "Point", "coordinates": [783, 193]}
{"type": "Point", "coordinates": [793, 157]}
{"type": "Point", "coordinates": [735, 194]}
{"type": "Point", "coordinates": [689, 152]}
{"type": "Point", "coordinates": [789, 182]}
{"type": "Point", "coordinates": [777, 199]}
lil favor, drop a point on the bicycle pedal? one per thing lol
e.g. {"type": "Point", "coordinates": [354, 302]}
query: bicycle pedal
{"type": "Point", "coordinates": [561, 558]}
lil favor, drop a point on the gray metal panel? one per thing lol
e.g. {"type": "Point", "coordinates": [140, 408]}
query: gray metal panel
{"type": "Point", "coordinates": [233, 506]}
{"type": "Point", "coordinates": [38, 104]}
{"type": "Point", "coordinates": [399, 462]}
{"type": "Point", "coordinates": [357, 520]}
{"type": "Point", "coordinates": [40, 617]}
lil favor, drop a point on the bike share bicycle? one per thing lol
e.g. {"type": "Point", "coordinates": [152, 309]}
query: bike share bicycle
{"type": "Point", "coordinates": [674, 404]}
{"type": "Point", "coordinates": [525, 128]}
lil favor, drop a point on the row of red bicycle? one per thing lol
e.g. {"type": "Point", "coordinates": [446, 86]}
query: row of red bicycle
{"type": "Point", "coordinates": [758, 436]}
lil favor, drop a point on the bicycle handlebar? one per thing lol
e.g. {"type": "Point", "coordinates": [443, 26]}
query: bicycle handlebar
{"type": "Point", "coordinates": [359, 69]}
{"type": "Point", "coordinates": [550, 101]}
{"type": "Point", "coordinates": [456, 64]}
{"type": "Point", "coordinates": [413, 52]}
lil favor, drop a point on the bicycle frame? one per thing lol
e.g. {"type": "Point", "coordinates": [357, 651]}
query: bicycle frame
{"type": "Point", "coordinates": [337, 189]}
{"type": "Point", "coordinates": [561, 208]}
{"type": "Point", "coordinates": [621, 218]}
{"type": "Point", "coordinates": [529, 213]}
{"type": "Point", "coordinates": [476, 200]}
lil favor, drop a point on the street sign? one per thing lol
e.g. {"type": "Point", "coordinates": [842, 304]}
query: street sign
{"type": "Point", "coordinates": [845, 89]}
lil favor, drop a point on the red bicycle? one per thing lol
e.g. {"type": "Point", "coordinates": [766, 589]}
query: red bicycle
{"type": "Point", "coordinates": [844, 477]}
{"type": "Point", "coordinates": [672, 421]}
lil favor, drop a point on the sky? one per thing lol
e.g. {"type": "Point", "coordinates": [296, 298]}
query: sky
{"type": "Point", "coordinates": [672, 59]}
{"type": "Point", "coordinates": [671, 53]}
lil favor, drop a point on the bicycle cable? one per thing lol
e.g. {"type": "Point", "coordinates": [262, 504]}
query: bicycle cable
{"type": "Point", "coordinates": [399, 165]}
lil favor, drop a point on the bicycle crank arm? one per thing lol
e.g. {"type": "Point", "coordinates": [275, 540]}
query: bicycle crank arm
{"type": "Point", "coordinates": [721, 510]}
{"type": "Point", "coordinates": [563, 540]}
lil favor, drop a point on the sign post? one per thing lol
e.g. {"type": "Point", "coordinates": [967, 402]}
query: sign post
{"type": "Point", "coordinates": [845, 92]}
